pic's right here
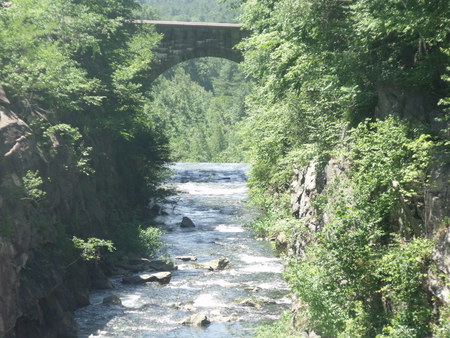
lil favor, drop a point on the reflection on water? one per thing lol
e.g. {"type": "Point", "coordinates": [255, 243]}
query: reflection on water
{"type": "Point", "coordinates": [236, 300]}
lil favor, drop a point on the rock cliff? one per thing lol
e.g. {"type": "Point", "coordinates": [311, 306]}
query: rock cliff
{"type": "Point", "coordinates": [45, 199]}
{"type": "Point", "coordinates": [35, 299]}
{"type": "Point", "coordinates": [427, 214]}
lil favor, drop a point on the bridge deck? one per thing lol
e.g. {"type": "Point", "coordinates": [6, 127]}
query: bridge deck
{"type": "Point", "coordinates": [186, 23]}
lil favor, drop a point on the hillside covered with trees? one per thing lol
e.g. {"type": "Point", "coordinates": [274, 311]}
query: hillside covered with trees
{"type": "Point", "coordinates": [349, 139]}
{"type": "Point", "coordinates": [191, 10]}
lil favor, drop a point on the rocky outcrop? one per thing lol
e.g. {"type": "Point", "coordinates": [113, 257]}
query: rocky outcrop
{"type": "Point", "coordinates": [44, 200]}
{"type": "Point", "coordinates": [309, 182]}
{"type": "Point", "coordinates": [427, 215]}
{"type": "Point", "coordinates": [37, 294]}
{"type": "Point", "coordinates": [437, 227]}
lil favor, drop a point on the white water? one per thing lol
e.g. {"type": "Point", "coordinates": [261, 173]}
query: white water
{"type": "Point", "coordinates": [214, 196]}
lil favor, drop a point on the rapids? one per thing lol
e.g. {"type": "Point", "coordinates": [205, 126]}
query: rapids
{"type": "Point", "coordinates": [236, 300]}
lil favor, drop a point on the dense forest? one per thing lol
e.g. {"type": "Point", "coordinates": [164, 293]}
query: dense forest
{"type": "Point", "coordinates": [190, 10]}
{"type": "Point", "coordinates": [348, 131]}
{"type": "Point", "coordinates": [346, 124]}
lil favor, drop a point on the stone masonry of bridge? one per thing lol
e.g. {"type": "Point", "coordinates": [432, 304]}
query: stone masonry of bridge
{"type": "Point", "coordinates": [189, 40]}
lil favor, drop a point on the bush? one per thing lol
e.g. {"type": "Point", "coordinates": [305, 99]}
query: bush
{"type": "Point", "coordinates": [150, 240]}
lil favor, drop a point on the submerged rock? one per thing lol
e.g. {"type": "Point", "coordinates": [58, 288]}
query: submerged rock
{"type": "Point", "coordinates": [199, 319]}
{"type": "Point", "coordinates": [162, 265]}
{"type": "Point", "coordinates": [186, 222]}
{"type": "Point", "coordinates": [159, 277]}
{"type": "Point", "coordinates": [186, 258]}
{"type": "Point", "coordinates": [250, 303]}
{"type": "Point", "coordinates": [112, 300]}
{"type": "Point", "coordinates": [216, 264]}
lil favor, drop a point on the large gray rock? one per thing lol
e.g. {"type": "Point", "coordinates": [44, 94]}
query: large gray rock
{"type": "Point", "coordinates": [186, 258]}
{"type": "Point", "coordinates": [3, 97]}
{"type": "Point", "coordinates": [199, 319]}
{"type": "Point", "coordinates": [99, 280]}
{"type": "Point", "coordinates": [162, 265]}
{"type": "Point", "coordinates": [216, 264]}
{"type": "Point", "coordinates": [159, 277]}
{"type": "Point", "coordinates": [186, 222]}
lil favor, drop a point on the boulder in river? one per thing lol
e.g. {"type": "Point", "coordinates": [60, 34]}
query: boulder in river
{"type": "Point", "coordinates": [216, 264]}
{"type": "Point", "coordinates": [250, 303]}
{"type": "Point", "coordinates": [112, 300]}
{"type": "Point", "coordinates": [186, 222]}
{"type": "Point", "coordinates": [199, 319]}
{"type": "Point", "coordinates": [162, 265]}
{"type": "Point", "coordinates": [159, 277]}
{"type": "Point", "coordinates": [186, 258]}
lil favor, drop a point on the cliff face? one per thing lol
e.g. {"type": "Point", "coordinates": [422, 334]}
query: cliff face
{"type": "Point", "coordinates": [37, 295]}
{"type": "Point", "coordinates": [46, 197]}
{"type": "Point", "coordinates": [426, 215]}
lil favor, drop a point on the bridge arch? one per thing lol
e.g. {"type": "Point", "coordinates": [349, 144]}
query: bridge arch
{"type": "Point", "coordinates": [183, 41]}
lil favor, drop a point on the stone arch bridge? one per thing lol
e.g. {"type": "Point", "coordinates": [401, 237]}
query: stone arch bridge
{"type": "Point", "coordinates": [188, 40]}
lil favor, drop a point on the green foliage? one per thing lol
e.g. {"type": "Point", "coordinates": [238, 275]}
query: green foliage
{"type": "Point", "coordinates": [386, 159]}
{"type": "Point", "coordinates": [63, 139]}
{"type": "Point", "coordinates": [192, 10]}
{"type": "Point", "coordinates": [133, 238]}
{"type": "Point", "coordinates": [358, 279]}
{"type": "Point", "coordinates": [91, 249]}
{"type": "Point", "coordinates": [442, 329]}
{"type": "Point", "coordinates": [150, 240]}
{"type": "Point", "coordinates": [201, 111]}
{"type": "Point", "coordinates": [402, 273]}
{"type": "Point", "coordinates": [32, 183]}
{"type": "Point", "coordinates": [318, 65]}
{"type": "Point", "coordinates": [34, 64]}
{"type": "Point", "coordinates": [277, 329]}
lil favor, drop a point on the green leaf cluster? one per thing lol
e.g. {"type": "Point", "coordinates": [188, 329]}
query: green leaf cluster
{"type": "Point", "coordinates": [32, 183]}
{"type": "Point", "coordinates": [91, 249]}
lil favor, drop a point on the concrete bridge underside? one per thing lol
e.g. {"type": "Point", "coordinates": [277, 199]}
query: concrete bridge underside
{"type": "Point", "coordinates": [189, 40]}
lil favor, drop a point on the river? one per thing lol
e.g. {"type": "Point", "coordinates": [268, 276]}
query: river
{"type": "Point", "coordinates": [236, 300]}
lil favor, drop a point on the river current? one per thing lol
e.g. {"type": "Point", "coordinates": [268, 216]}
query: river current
{"type": "Point", "coordinates": [236, 300]}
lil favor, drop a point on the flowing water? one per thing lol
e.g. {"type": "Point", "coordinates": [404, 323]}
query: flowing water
{"type": "Point", "coordinates": [236, 300]}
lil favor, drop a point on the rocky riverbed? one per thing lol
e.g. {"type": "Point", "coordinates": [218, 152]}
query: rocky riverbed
{"type": "Point", "coordinates": [212, 279]}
